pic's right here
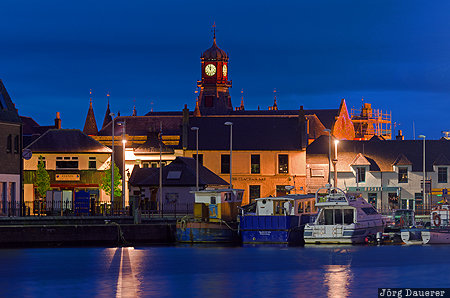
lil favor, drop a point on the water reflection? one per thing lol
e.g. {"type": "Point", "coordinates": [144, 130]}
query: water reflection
{"type": "Point", "coordinates": [338, 279]}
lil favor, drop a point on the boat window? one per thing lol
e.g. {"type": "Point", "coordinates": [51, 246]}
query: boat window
{"type": "Point", "coordinates": [348, 216]}
{"type": "Point", "coordinates": [338, 216]}
{"type": "Point", "coordinates": [328, 216]}
{"type": "Point", "coordinates": [369, 210]}
{"type": "Point", "coordinates": [300, 207]}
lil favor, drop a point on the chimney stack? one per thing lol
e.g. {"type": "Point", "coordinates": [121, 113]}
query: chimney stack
{"type": "Point", "coordinates": [57, 121]}
{"type": "Point", "coordinates": [400, 137]}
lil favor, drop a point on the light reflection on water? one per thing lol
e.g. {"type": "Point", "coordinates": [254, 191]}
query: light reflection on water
{"type": "Point", "coordinates": [333, 271]}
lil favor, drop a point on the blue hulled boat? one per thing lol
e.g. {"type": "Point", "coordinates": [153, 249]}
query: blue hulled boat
{"type": "Point", "coordinates": [276, 220]}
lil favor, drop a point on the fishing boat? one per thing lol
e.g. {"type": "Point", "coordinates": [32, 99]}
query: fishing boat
{"type": "Point", "coordinates": [214, 219]}
{"type": "Point", "coordinates": [439, 232]}
{"type": "Point", "coordinates": [343, 218]}
{"type": "Point", "coordinates": [276, 220]}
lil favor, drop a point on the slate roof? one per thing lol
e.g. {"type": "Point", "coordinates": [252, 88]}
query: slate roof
{"type": "Point", "coordinates": [152, 146]}
{"type": "Point", "coordinates": [8, 112]}
{"type": "Point", "coordinates": [249, 133]}
{"type": "Point", "coordinates": [142, 125]}
{"type": "Point", "coordinates": [187, 166]}
{"type": "Point", "coordinates": [381, 154]}
{"type": "Point", "coordinates": [107, 119]}
{"type": "Point", "coordinates": [402, 160]}
{"type": "Point", "coordinates": [67, 141]}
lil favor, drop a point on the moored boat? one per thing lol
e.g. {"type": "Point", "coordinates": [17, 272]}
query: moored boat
{"type": "Point", "coordinates": [342, 219]}
{"type": "Point", "coordinates": [439, 232]}
{"type": "Point", "coordinates": [214, 219]}
{"type": "Point", "coordinates": [276, 220]}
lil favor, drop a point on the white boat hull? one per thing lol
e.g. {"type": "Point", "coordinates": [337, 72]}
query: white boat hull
{"type": "Point", "coordinates": [320, 235]}
{"type": "Point", "coordinates": [436, 237]}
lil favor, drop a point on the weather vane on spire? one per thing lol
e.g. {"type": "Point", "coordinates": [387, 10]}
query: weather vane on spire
{"type": "Point", "coordinates": [214, 30]}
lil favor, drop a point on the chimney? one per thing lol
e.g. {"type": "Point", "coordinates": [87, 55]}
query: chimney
{"type": "Point", "coordinates": [185, 127]}
{"type": "Point", "coordinates": [399, 137]}
{"type": "Point", "coordinates": [57, 121]}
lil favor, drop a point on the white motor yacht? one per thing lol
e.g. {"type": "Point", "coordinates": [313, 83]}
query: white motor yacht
{"type": "Point", "coordinates": [342, 219]}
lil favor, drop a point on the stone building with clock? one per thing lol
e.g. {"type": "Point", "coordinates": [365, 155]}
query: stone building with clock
{"type": "Point", "coordinates": [269, 145]}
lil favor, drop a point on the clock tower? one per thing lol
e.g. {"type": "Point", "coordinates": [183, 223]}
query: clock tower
{"type": "Point", "coordinates": [214, 96]}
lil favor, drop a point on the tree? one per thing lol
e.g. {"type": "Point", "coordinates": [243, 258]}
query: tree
{"type": "Point", "coordinates": [106, 181]}
{"type": "Point", "coordinates": [42, 179]}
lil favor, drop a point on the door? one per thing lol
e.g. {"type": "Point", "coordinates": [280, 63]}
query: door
{"type": "Point", "coordinates": [67, 200]}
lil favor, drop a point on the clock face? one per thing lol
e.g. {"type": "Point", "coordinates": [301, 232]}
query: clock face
{"type": "Point", "coordinates": [210, 70]}
{"type": "Point", "coordinates": [225, 70]}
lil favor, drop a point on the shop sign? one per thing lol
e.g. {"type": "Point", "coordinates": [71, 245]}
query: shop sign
{"type": "Point", "coordinates": [67, 177]}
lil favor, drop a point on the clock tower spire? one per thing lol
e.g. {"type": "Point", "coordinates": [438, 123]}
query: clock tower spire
{"type": "Point", "coordinates": [214, 96]}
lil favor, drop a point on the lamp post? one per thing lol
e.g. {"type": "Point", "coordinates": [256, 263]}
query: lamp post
{"type": "Point", "coordinates": [423, 184]}
{"type": "Point", "coordinates": [112, 164]}
{"type": "Point", "coordinates": [123, 124]}
{"type": "Point", "coordinates": [230, 124]}
{"type": "Point", "coordinates": [196, 158]}
{"type": "Point", "coordinates": [329, 155]}
{"type": "Point", "coordinates": [335, 160]}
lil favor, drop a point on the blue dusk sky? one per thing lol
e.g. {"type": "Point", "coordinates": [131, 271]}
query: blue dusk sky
{"type": "Point", "coordinates": [394, 54]}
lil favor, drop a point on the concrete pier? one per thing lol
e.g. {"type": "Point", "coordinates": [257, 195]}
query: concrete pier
{"type": "Point", "coordinates": [89, 231]}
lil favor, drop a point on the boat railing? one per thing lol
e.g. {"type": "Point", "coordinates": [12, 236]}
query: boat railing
{"type": "Point", "coordinates": [331, 195]}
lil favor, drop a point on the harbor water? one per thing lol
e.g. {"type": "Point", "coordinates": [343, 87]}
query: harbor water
{"type": "Point", "coordinates": [212, 271]}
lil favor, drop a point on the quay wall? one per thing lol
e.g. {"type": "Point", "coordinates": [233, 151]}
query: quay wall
{"type": "Point", "coordinates": [72, 233]}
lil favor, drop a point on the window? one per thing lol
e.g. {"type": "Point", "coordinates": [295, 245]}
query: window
{"type": "Point", "coordinates": [418, 200]}
{"type": "Point", "coordinates": [225, 164]}
{"type": "Point", "coordinates": [283, 166]}
{"type": "Point", "coordinates": [360, 174]}
{"type": "Point", "coordinates": [9, 144]}
{"type": "Point", "coordinates": [393, 200]}
{"type": "Point", "coordinates": [281, 190]}
{"type": "Point", "coordinates": [254, 192]}
{"type": "Point", "coordinates": [403, 175]}
{"type": "Point", "coordinates": [348, 216]}
{"type": "Point", "coordinates": [200, 158]}
{"type": "Point", "coordinates": [66, 163]}
{"type": "Point", "coordinates": [16, 144]}
{"type": "Point", "coordinates": [442, 175]}
{"type": "Point", "coordinates": [92, 163]}
{"type": "Point", "coordinates": [255, 164]}
{"type": "Point", "coordinates": [369, 210]}
{"type": "Point", "coordinates": [372, 196]}
{"type": "Point", "coordinates": [145, 164]}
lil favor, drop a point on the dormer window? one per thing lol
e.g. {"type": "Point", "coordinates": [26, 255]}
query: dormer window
{"type": "Point", "coordinates": [402, 175]}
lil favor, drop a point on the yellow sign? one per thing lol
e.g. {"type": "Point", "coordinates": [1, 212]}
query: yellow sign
{"type": "Point", "coordinates": [67, 177]}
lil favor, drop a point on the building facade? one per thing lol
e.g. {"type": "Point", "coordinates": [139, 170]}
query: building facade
{"type": "Point", "coordinates": [74, 161]}
{"type": "Point", "coordinates": [387, 173]}
{"type": "Point", "coordinates": [10, 156]}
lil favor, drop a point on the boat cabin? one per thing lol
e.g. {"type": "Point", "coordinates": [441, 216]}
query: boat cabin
{"type": "Point", "coordinates": [216, 205]}
{"type": "Point", "coordinates": [285, 205]}
{"type": "Point", "coordinates": [440, 216]}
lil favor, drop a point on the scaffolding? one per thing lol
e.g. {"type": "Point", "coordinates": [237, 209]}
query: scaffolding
{"type": "Point", "coordinates": [370, 122]}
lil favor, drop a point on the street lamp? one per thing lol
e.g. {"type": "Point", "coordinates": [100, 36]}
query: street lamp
{"type": "Point", "coordinates": [230, 124]}
{"type": "Point", "coordinates": [123, 124]}
{"type": "Point", "coordinates": [329, 154]}
{"type": "Point", "coordinates": [196, 159]}
{"type": "Point", "coordinates": [112, 163]}
{"type": "Point", "coordinates": [423, 184]}
{"type": "Point", "coordinates": [335, 160]}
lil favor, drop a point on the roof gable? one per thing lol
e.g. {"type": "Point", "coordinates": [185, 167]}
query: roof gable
{"type": "Point", "coordinates": [402, 160]}
{"type": "Point", "coordinates": [360, 160]}
{"type": "Point", "coordinates": [441, 161]}
{"type": "Point", "coordinates": [8, 111]}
